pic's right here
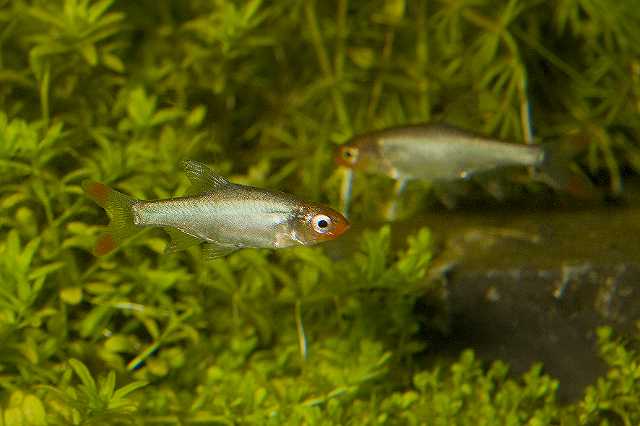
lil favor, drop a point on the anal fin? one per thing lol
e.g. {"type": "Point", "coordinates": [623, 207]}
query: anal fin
{"type": "Point", "coordinates": [212, 251]}
{"type": "Point", "coordinates": [180, 240]}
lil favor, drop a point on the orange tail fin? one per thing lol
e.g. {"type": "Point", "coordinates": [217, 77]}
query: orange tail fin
{"type": "Point", "coordinates": [555, 170]}
{"type": "Point", "coordinates": [98, 192]}
{"type": "Point", "coordinates": [119, 208]}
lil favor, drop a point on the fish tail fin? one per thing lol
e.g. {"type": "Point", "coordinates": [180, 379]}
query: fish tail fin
{"type": "Point", "coordinates": [120, 209]}
{"type": "Point", "coordinates": [555, 169]}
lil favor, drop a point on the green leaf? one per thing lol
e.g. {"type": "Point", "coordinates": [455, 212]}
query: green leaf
{"type": "Point", "coordinates": [124, 391]}
{"type": "Point", "coordinates": [113, 62]}
{"type": "Point", "coordinates": [108, 386]}
{"type": "Point", "coordinates": [47, 17]}
{"type": "Point", "coordinates": [83, 373]}
{"type": "Point", "coordinates": [43, 271]}
{"type": "Point", "coordinates": [26, 256]}
{"type": "Point", "coordinates": [71, 295]}
{"type": "Point", "coordinates": [195, 117]}
{"type": "Point", "coordinates": [141, 108]}
{"type": "Point", "coordinates": [94, 320]}
{"type": "Point", "coordinates": [13, 417]}
{"type": "Point", "coordinates": [165, 115]}
{"type": "Point", "coordinates": [97, 9]}
{"type": "Point", "coordinates": [376, 248]}
{"type": "Point", "coordinates": [33, 411]}
{"type": "Point", "coordinates": [90, 54]}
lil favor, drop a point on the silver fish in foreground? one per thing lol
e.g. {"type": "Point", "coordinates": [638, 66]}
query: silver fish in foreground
{"type": "Point", "coordinates": [437, 152]}
{"type": "Point", "coordinates": [223, 215]}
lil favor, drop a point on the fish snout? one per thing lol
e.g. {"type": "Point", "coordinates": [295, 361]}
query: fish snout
{"type": "Point", "coordinates": [340, 225]}
{"type": "Point", "coordinates": [327, 224]}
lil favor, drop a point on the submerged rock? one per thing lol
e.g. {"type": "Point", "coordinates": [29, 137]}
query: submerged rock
{"type": "Point", "coordinates": [531, 285]}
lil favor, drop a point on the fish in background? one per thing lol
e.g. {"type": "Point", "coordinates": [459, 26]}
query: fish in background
{"type": "Point", "coordinates": [223, 215]}
{"type": "Point", "coordinates": [442, 153]}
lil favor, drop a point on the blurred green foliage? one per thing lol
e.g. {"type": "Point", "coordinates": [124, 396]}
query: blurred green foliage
{"type": "Point", "coordinates": [119, 91]}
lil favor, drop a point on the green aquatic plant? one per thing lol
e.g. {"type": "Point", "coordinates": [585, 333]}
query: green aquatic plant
{"type": "Point", "coordinates": [121, 91]}
{"type": "Point", "coordinates": [614, 397]}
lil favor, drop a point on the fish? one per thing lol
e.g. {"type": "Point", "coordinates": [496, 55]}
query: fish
{"type": "Point", "coordinates": [225, 216]}
{"type": "Point", "coordinates": [441, 153]}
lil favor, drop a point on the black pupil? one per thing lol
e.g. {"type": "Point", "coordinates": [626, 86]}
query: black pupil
{"type": "Point", "coordinates": [347, 154]}
{"type": "Point", "coordinates": [323, 223]}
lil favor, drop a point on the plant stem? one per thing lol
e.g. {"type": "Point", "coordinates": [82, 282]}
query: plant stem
{"type": "Point", "coordinates": [378, 85]}
{"type": "Point", "coordinates": [302, 338]}
{"type": "Point", "coordinates": [422, 59]}
{"type": "Point", "coordinates": [525, 110]}
{"type": "Point", "coordinates": [323, 60]}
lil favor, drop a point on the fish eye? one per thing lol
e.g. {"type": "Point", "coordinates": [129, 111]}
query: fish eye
{"type": "Point", "coordinates": [321, 223]}
{"type": "Point", "coordinates": [349, 154]}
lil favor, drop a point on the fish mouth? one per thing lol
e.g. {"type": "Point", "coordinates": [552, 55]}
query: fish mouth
{"type": "Point", "coordinates": [341, 225]}
{"type": "Point", "coordinates": [341, 162]}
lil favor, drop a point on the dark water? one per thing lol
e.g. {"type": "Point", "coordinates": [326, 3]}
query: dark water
{"type": "Point", "coordinates": [530, 282]}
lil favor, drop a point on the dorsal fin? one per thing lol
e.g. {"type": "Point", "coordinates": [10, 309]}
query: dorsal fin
{"type": "Point", "coordinates": [202, 178]}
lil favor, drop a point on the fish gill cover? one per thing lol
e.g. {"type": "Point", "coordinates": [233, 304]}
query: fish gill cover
{"type": "Point", "coordinates": [121, 91]}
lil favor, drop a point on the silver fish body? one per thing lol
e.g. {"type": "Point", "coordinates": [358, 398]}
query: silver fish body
{"type": "Point", "coordinates": [442, 153]}
{"type": "Point", "coordinates": [235, 216]}
{"type": "Point", "coordinates": [223, 215]}
{"type": "Point", "coordinates": [435, 153]}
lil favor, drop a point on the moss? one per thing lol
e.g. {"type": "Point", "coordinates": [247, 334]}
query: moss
{"type": "Point", "coordinates": [119, 91]}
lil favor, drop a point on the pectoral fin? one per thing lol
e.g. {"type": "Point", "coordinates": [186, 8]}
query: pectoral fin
{"type": "Point", "coordinates": [180, 240]}
{"type": "Point", "coordinates": [212, 251]}
{"type": "Point", "coordinates": [449, 192]}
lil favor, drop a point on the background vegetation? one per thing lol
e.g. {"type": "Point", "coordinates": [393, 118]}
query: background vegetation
{"type": "Point", "coordinates": [119, 91]}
